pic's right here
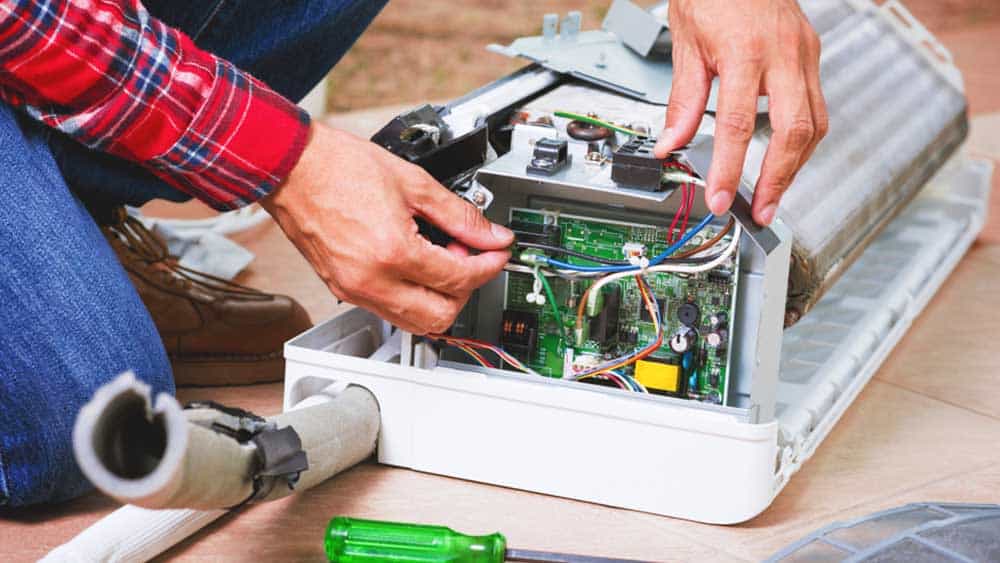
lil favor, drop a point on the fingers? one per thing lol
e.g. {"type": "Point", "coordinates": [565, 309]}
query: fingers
{"type": "Point", "coordinates": [457, 217]}
{"type": "Point", "coordinates": [793, 132]}
{"type": "Point", "coordinates": [817, 103]}
{"type": "Point", "coordinates": [691, 86]}
{"type": "Point", "coordinates": [413, 308]}
{"type": "Point", "coordinates": [450, 273]}
{"type": "Point", "coordinates": [735, 122]}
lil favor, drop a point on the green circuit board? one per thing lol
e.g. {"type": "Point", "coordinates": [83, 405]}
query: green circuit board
{"type": "Point", "coordinates": [620, 323]}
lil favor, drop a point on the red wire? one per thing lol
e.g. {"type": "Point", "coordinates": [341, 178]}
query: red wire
{"type": "Point", "coordinates": [677, 216]}
{"type": "Point", "coordinates": [687, 201]}
{"type": "Point", "coordinates": [688, 193]}
{"type": "Point", "coordinates": [687, 209]}
{"type": "Point", "coordinates": [477, 356]}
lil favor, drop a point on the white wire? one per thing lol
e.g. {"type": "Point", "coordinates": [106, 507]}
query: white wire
{"type": "Point", "coordinates": [530, 270]}
{"type": "Point", "coordinates": [672, 268]}
{"type": "Point", "coordinates": [679, 177]}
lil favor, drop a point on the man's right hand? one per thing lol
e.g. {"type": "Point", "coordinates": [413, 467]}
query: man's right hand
{"type": "Point", "coordinates": [349, 207]}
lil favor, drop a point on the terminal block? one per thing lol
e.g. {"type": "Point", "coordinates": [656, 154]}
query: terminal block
{"type": "Point", "coordinates": [635, 165]}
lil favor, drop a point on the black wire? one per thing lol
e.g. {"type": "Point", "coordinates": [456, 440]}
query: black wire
{"type": "Point", "coordinates": [599, 260]}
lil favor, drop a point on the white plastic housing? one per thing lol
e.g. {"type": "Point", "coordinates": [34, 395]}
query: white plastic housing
{"type": "Point", "coordinates": [642, 452]}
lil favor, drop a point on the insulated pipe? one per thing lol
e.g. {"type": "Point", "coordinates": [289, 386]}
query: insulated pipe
{"type": "Point", "coordinates": [158, 457]}
{"type": "Point", "coordinates": [132, 534]}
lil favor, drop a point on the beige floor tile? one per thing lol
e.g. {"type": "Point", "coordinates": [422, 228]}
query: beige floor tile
{"type": "Point", "coordinates": [891, 440]}
{"type": "Point", "coordinates": [927, 360]}
{"type": "Point", "coordinates": [984, 136]}
{"type": "Point", "coordinates": [295, 527]}
{"type": "Point", "coordinates": [976, 54]}
{"type": "Point", "coordinates": [366, 122]}
{"type": "Point", "coordinates": [29, 533]}
{"type": "Point", "coordinates": [982, 486]}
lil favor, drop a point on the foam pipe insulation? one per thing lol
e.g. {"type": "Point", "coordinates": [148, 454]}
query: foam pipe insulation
{"type": "Point", "coordinates": [165, 457]}
{"type": "Point", "coordinates": [132, 534]}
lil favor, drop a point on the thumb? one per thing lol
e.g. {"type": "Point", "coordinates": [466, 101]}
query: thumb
{"type": "Point", "coordinates": [460, 219]}
{"type": "Point", "coordinates": [688, 98]}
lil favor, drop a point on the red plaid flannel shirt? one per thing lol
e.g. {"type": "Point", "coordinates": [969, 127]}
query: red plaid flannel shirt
{"type": "Point", "coordinates": [117, 80]}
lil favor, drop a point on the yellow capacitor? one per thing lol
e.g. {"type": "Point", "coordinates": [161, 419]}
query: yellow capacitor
{"type": "Point", "coordinates": [657, 376]}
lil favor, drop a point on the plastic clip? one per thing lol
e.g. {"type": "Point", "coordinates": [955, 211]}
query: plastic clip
{"type": "Point", "coordinates": [279, 451]}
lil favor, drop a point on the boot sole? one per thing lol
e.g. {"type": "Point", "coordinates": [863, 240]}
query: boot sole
{"type": "Point", "coordinates": [213, 371]}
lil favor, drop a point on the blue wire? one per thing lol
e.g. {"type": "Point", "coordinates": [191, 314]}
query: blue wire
{"type": "Point", "coordinates": [654, 261]}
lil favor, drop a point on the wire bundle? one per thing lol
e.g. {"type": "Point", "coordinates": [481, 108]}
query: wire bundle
{"type": "Point", "coordinates": [470, 345]}
{"type": "Point", "coordinates": [607, 371]}
{"type": "Point", "coordinates": [621, 380]}
{"type": "Point", "coordinates": [687, 201]}
{"type": "Point", "coordinates": [653, 307]}
{"type": "Point", "coordinates": [604, 271]}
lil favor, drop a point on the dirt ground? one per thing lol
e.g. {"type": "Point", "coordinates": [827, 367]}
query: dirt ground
{"type": "Point", "coordinates": [420, 50]}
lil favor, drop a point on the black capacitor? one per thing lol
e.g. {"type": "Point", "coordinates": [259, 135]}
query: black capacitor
{"type": "Point", "coordinates": [688, 314]}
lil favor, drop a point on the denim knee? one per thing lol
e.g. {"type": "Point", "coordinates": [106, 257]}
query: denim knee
{"type": "Point", "coordinates": [36, 453]}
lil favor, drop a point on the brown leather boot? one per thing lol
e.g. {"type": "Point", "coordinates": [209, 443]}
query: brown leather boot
{"type": "Point", "coordinates": [216, 332]}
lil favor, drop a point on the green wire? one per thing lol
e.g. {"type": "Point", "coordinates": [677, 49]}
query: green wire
{"type": "Point", "coordinates": [597, 122]}
{"type": "Point", "coordinates": [552, 301]}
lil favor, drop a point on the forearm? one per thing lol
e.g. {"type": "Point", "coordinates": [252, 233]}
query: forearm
{"type": "Point", "coordinates": [117, 80]}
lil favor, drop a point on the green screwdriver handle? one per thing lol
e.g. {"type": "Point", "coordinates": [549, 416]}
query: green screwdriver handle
{"type": "Point", "coordinates": [353, 540]}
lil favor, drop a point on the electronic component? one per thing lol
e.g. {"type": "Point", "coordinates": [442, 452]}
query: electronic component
{"type": "Point", "coordinates": [659, 376]}
{"type": "Point", "coordinates": [635, 254]}
{"type": "Point", "coordinates": [550, 156]}
{"type": "Point", "coordinates": [536, 233]}
{"type": "Point", "coordinates": [604, 326]}
{"type": "Point", "coordinates": [718, 319]}
{"type": "Point", "coordinates": [644, 314]}
{"type": "Point", "coordinates": [635, 165]}
{"type": "Point", "coordinates": [615, 322]}
{"type": "Point", "coordinates": [519, 333]}
{"type": "Point", "coordinates": [716, 338]}
{"type": "Point", "coordinates": [585, 131]}
{"type": "Point", "coordinates": [688, 314]}
{"type": "Point", "coordinates": [683, 340]}
{"type": "Point", "coordinates": [721, 276]}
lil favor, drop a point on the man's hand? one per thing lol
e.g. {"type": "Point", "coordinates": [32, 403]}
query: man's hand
{"type": "Point", "coordinates": [754, 47]}
{"type": "Point", "coordinates": [349, 207]}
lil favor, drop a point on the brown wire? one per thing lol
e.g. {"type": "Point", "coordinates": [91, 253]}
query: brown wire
{"type": "Point", "coordinates": [709, 244]}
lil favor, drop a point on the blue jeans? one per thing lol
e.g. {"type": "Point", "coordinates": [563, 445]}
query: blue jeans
{"type": "Point", "coordinates": [70, 320]}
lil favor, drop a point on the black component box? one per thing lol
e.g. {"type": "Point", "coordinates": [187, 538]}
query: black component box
{"type": "Point", "coordinates": [636, 167]}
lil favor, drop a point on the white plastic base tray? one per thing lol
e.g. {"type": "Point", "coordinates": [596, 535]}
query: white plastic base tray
{"type": "Point", "coordinates": [641, 452]}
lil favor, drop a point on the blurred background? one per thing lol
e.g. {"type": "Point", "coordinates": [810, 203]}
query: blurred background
{"type": "Point", "coordinates": [433, 50]}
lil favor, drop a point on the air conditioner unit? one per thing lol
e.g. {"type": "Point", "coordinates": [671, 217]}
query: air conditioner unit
{"type": "Point", "coordinates": [752, 347]}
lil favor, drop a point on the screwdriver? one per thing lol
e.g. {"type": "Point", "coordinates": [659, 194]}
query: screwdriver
{"type": "Point", "coordinates": [353, 540]}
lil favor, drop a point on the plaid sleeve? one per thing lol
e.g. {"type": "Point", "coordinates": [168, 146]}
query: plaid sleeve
{"type": "Point", "coordinates": [117, 80]}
